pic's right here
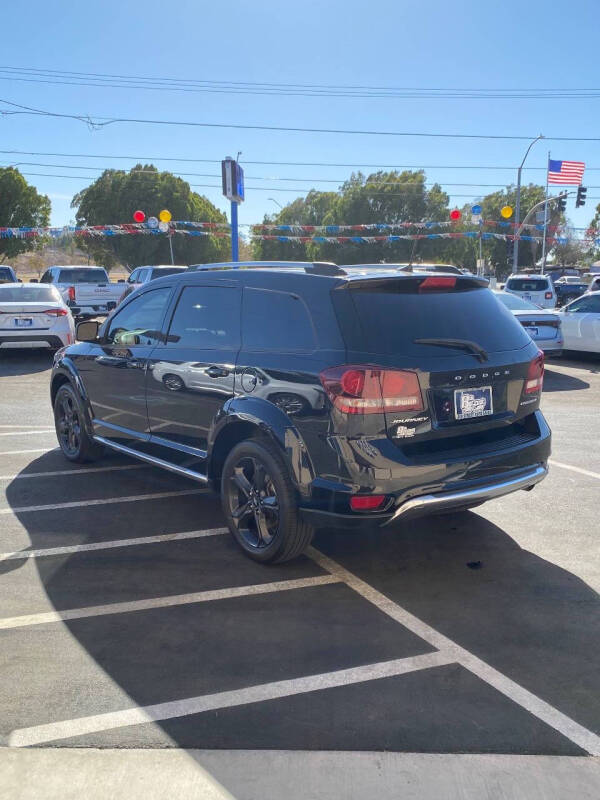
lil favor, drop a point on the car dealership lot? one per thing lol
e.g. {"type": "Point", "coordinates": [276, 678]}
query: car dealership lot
{"type": "Point", "coordinates": [130, 619]}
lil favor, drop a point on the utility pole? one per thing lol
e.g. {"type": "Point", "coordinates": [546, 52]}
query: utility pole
{"type": "Point", "coordinates": [518, 205]}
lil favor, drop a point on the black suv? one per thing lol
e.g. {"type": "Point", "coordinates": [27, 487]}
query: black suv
{"type": "Point", "coordinates": [312, 395]}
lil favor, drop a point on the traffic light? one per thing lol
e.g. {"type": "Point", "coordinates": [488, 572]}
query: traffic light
{"type": "Point", "coordinates": [562, 203]}
{"type": "Point", "coordinates": [581, 193]}
{"type": "Point", "coordinates": [510, 249]}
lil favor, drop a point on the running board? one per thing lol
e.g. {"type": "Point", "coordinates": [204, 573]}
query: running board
{"type": "Point", "coordinates": [157, 462]}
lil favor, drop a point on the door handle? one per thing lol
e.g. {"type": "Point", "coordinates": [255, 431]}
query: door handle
{"type": "Point", "coordinates": [217, 372]}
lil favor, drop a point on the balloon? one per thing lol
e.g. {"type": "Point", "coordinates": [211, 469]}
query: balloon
{"type": "Point", "coordinates": [476, 209]}
{"type": "Point", "coordinates": [163, 227]}
{"type": "Point", "coordinates": [139, 216]}
{"type": "Point", "coordinates": [165, 216]}
{"type": "Point", "coordinates": [506, 212]}
{"type": "Point", "coordinates": [455, 214]}
{"type": "Point", "coordinates": [152, 222]}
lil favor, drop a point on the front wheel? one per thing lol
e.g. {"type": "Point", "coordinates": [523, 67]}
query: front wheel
{"type": "Point", "coordinates": [73, 438]}
{"type": "Point", "coordinates": [260, 505]}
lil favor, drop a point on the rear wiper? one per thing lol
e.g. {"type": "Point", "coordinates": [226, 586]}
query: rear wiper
{"type": "Point", "coordinates": [459, 344]}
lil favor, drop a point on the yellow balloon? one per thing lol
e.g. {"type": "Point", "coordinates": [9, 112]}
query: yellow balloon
{"type": "Point", "coordinates": [165, 216]}
{"type": "Point", "coordinates": [506, 212]}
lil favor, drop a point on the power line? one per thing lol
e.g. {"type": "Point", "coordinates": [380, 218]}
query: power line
{"type": "Point", "coordinates": [104, 80]}
{"type": "Point", "coordinates": [337, 181]}
{"type": "Point", "coordinates": [298, 189]}
{"type": "Point", "coordinates": [278, 163]}
{"type": "Point", "coordinates": [101, 122]}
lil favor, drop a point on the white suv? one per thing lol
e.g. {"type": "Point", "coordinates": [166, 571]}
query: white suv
{"type": "Point", "coordinates": [538, 289]}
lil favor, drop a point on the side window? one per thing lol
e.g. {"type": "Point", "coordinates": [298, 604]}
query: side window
{"type": "Point", "coordinates": [46, 277]}
{"type": "Point", "coordinates": [133, 276]}
{"type": "Point", "coordinates": [585, 305]}
{"type": "Point", "coordinates": [207, 317]}
{"type": "Point", "coordinates": [140, 321]}
{"type": "Point", "coordinates": [273, 320]}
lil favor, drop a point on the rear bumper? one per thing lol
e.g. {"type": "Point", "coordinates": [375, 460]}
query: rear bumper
{"type": "Point", "coordinates": [467, 498]}
{"type": "Point", "coordinates": [460, 479]}
{"type": "Point", "coordinates": [427, 504]}
{"type": "Point", "coordinates": [33, 340]}
{"type": "Point", "coordinates": [102, 309]}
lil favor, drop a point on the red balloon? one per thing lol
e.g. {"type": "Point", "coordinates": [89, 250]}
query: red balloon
{"type": "Point", "coordinates": [139, 216]}
{"type": "Point", "coordinates": [455, 214]}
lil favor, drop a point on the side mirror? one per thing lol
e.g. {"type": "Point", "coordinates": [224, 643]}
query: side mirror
{"type": "Point", "coordinates": [87, 331]}
{"type": "Point", "coordinates": [33, 280]}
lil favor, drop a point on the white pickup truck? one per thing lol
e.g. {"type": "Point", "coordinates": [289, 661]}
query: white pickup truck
{"type": "Point", "coordinates": [86, 290]}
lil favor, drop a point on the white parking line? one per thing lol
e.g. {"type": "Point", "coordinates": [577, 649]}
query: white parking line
{"type": "Point", "coordinates": [581, 736]}
{"type": "Point", "coordinates": [83, 548]}
{"type": "Point", "coordinates": [82, 471]}
{"type": "Point", "coordinates": [66, 729]}
{"type": "Point", "coordinates": [27, 433]}
{"type": "Point", "coordinates": [102, 501]}
{"type": "Point", "coordinates": [26, 427]}
{"type": "Point", "coordinates": [587, 472]}
{"type": "Point", "coordinates": [22, 452]}
{"type": "Point", "coordinates": [168, 601]}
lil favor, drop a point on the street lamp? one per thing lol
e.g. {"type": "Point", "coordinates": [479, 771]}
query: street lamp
{"type": "Point", "coordinates": [518, 205]}
{"type": "Point", "coordinates": [277, 203]}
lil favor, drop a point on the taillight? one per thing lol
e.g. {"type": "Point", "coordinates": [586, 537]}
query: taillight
{"type": "Point", "coordinates": [372, 390]}
{"type": "Point", "coordinates": [56, 312]}
{"type": "Point", "coordinates": [535, 375]}
{"type": "Point", "coordinates": [71, 293]}
{"type": "Point", "coordinates": [436, 282]}
{"type": "Point", "coordinates": [367, 502]}
{"type": "Point", "coordinates": [548, 295]}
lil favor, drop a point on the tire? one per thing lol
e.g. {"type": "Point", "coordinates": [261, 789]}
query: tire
{"type": "Point", "coordinates": [256, 481]}
{"type": "Point", "coordinates": [69, 420]}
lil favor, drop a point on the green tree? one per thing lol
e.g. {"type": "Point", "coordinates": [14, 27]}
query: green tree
{"type": "Point", "coordinates": [116, 194]}
{"type": "Point", "coordinates": [20, 206]}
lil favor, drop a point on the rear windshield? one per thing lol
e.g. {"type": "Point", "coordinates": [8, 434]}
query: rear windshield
{"type": "Point", "coordinates": [28, 294]}
{"type": "Point", "coordinates": [390, 321]}
{"type": "Point", "coordinates": [160, 273]}
{"type": "Point", "coordinates": [527, 284]}
{"type": "Point", "coordinates": [516, 303]}
{"type": "Point", "coordinates": [6, 274]}
{"type": "Point", "coordinates": [82, 276]}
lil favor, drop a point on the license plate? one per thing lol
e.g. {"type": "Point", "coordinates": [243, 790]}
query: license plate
{"type": "Point", "coordinates": [23, 323]}
{"type": "Point", "coordinates": [527, 297]}
{"type": "Point", "coordinates": [533, 332]}
{"type": "Point", "coordinates": [469, 403]}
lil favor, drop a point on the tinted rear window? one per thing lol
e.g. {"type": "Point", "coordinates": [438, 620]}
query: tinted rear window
{"type": "Point", "coordinates": [28, 294]}
{"type": "Point", "coordinates": [160, 273]}
{"type": "Point", "coordinates": [275, 320]}
{"type": "Point", "coordinates": [390, 321]}
{"type": "Point", "coordinates": [527, 285]}
{"type": "Point", "coordinates": [6, 274]}
{"type": "Point", "coordinates": [82, 276]}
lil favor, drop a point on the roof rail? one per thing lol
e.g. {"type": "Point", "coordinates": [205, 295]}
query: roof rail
{"type": "Point", "coordinates": [324, 268]}
{"type": "Point", "coordinates": [313, 268]}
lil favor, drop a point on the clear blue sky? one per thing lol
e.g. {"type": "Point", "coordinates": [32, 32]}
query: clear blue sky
{"type": "Point", "coordinates": [459, 44]}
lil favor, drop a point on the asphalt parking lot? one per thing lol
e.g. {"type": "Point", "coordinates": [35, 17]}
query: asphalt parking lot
{"type": "Point", "coordinates": [130, 619]}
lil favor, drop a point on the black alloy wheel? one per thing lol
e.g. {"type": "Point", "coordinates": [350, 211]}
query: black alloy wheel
{"type": "Point", "coordinates": [73, 437]}
{"type": "Point", "coordinates": [68, 425]}
{"type": "Point", "coordinates": [253, 503]}
{"type": "Point", "coordinates": [260, 502]}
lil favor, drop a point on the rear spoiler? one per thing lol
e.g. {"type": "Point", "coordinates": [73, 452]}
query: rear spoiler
{"type": "Point", "coordinates": [415, 284]}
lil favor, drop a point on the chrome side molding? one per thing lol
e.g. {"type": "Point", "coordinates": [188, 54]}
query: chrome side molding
{"type": "Point", "coordinates": [157, 462]}
{"type": "Point", "coordinates": [429, 502]}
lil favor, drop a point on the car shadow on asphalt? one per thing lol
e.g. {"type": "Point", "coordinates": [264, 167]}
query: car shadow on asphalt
{"type": "Point", "coordinates": [534, 621]}
{"type": "Point", "coordinates": [560, 382]}
{"type": "Point", "coordinates": [24, 361]}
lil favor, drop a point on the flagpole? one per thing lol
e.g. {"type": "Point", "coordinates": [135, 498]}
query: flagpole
{"type": "Point", "coordinates": [545, 218]}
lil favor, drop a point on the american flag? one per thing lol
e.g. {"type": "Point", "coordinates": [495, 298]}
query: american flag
{"type": "Point", "coordinates": [567, 173]}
